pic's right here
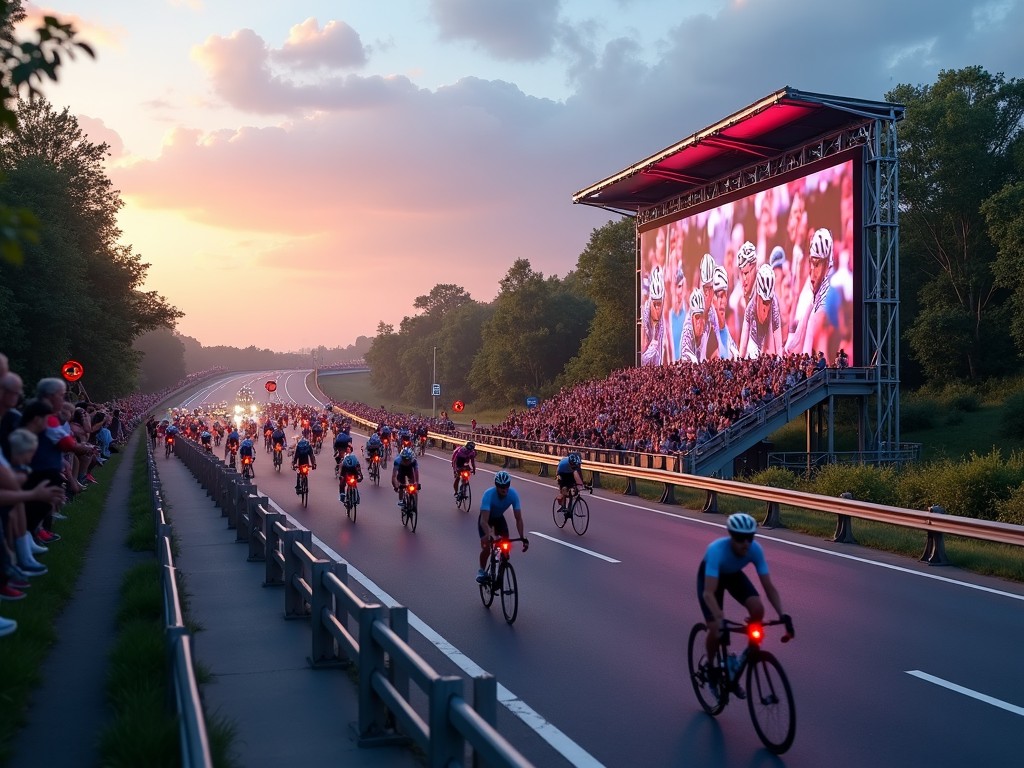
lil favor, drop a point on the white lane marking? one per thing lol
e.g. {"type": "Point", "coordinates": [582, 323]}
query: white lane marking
{"type": "Point", "coordinates": [798, 545]}
{"type": "Point", "coordinates": [315, 399]}
{"type": "Point", "coordinates": [590, 552]}
{"type": "Point", "coordinates": [966, 691]}
{"type": "Point", "coordinates": [566, 747]}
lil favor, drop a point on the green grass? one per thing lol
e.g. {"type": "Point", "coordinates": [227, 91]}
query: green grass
{"type": "Point", "coordinates": [357, 387]}
{"type": "Point", "coordinates": [24, 652]}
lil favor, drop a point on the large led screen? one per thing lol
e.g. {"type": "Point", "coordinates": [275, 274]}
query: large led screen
{"type": "Point", "coordinates": [768, 273]}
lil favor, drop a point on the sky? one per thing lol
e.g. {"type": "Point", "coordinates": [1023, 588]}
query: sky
{"type": "Point", "coordinates": [296, 172]}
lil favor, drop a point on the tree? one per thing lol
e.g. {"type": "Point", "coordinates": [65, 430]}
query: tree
{"type": "Point", "coordinates": [955, 152]}
{"type": "Point", "coordinates": [605, 270]}
{"type": "Point", "coordinates": [23, 64]}
{"type": "Point", "coordinates": [163, 359]}
{"type": "Point", "coordinates": [1004, 213]}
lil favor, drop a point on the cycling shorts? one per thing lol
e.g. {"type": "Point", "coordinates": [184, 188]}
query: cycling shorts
{"type": "Point", "coordinates": [736, 584]}
{"type": "Point", "coordinates": [499, 524]}
{"type": "Point", "coordinates": [566, 480]}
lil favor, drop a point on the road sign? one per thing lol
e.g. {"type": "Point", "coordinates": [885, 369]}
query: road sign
{"type": "Point", "coordinates": [435, 391]}
{"type": "Point", "coordinates": [531, 402]}
{"type": "Point", "coordinates": [458, 406]}
{"type": "Point", "coordinates": [72, 370]}
{"type": "Point", "coordinates": [271, 386]}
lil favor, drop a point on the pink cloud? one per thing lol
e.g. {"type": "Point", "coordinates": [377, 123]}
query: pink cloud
{"type": "Point", "coordinates": [309, 47]}
{"type": "Point", "coordinates": [240, 72]}
{"type": "Point", "coordinates": [99, 133]}
{"type": "Point", "coordinates": [96, 35]}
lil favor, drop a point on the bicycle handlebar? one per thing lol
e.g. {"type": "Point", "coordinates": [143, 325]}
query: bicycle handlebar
{"type": "Point", "coordinates": [784, 620]}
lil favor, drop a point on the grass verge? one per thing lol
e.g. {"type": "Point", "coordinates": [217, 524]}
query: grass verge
{"type": "Point", "coordinates": [144, 730]}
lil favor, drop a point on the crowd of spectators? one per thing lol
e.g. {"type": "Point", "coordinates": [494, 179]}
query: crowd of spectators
{"type": "Point", "coordinates": [49, 446]}
{"type": "Point", "coordinates": [658, 409]}
{"type": "Point", "coordinates": [345, 365]}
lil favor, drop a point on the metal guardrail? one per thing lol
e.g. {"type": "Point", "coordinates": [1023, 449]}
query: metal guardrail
{"type": "Point", "coordinates": [192, 736]}
{"type": "Point", "coordinates": [317, 589]}
{"type": "Point", "coordinates": [933, 521]}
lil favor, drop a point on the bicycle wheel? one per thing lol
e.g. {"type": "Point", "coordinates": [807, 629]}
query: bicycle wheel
{"type": "Point", "coordinates": [487, 587]}
{"type": "Point", "coordinates": [353, 504]}
{"type": "Point", "coordinates": [509, 592]}
{"type": "Point", "coordinates": [770, 700]}
{"type": "Point", "coordinates": [465, 497]}
{"type": "Point", "coordinates": [696, 654]}
{"type": "Point", "coordinates": [557, 514]}
{"type": "Point", "coordinates": [414, 513]}
{"type": "Point", "coordinates": [405, 512]}
{"type": "Point", "coordinates": [580, 515]}
{"type": "Point", "coordinates": [304, 490]}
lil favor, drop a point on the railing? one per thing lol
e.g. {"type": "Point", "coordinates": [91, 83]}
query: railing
{"type": "Point", "coordinates": [317, 589]}
{"type": "Point", "coordinates": [195, 745]}
{"type": "Point", "coordinates": [934, 521]}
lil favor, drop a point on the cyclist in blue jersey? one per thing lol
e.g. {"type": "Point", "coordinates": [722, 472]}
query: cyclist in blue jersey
{"type": "Point", "coordinates": [247, 449]}
{"type": "Point", "coordinates": [279, 438]}
{"type": "Point", "coordinates": [405, 470]}
{"type": "Point", "coordinates": [342, 446]}
{"type": "Point", "coordinates": [303, 455]}
{"type": "Point", "coordinates": [373, 447]}
{"type": "Point", "coordinates": [568, 477]}
{"type": "Point", "coordinates": [492, 523]}
{"type": "Point", "coordinates": [231, 444]}
{"type": "Point", "coordinates": [721, 570]}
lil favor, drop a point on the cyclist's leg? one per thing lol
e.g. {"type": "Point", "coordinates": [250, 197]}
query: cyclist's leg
{"type": "Point", "coordinates": [711, 641]}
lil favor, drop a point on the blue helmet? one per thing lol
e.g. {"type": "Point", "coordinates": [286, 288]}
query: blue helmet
{"type": "Point", "coordinates": [350, 461]}
{"type": "Point", "coordinates": [406, 455]}
{"type": "Point", "coordinates": [303, 443]}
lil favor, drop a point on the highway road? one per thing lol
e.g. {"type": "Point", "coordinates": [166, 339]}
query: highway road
{"type": "Point", "coordinates": [895, 663]}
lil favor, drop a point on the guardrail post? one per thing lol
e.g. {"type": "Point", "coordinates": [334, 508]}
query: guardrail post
{"type": "Point", "coordinates": [595, 479]}
{"type": "Point", "coordinates": [485, 704]}
{"type": "Point", "coordinates": [294, 600]}
{"type": "Point", "coordinates": [398, 618]}
{"type": "Point", "coordinates": [543, 470]}
{"type": "Point", "coordinates": [711, 503]}
{"type": "Point", "coordinates": [373, 713]}
{"type": "Point", "coordinates": [935, 546]}
{"type": "Point", "coordinates": [772, 518]}
{"type": "Point", "coordinates": [630, 487]}
{"type": "Point", "coordinates": [844, 525]}
{"type": "Point", "coordinates": [447, 747]}
{"type": "Point", "coordinates": [275, 543]}
{"type": "Point", "coordinates": [325, 649]}
{"type": "Point", "coordinates": [668, 496]}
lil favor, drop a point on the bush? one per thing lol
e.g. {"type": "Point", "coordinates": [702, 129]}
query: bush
{"type": "Point", "coordinates": [960, 397]}
{"type": "Point", "coordinates": [971, 488]}
{"type": "Point", "coordinates": [1011, 509]}
{"type": "Point", "coordinates": [1013, 416]}
{"type": "Point", "coordinates": [918, 414]}
{"type": "Point", "coordinates": [866, 483]}
{"type": "Point", "coordinates": [777, 477]}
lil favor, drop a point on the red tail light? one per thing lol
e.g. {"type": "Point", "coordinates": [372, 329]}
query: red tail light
{"type": "Point", "coordinates": [170, 440]}
{"type": "Point", "coordinates": [247, 459]}
{"type": "Point", "coordinates": [351, 480]}
{"type": "Point", "coordinates": [506, 545]}
{"type": "Point", "coordinates": [376, 459]}
{"type": "Point", "coordinates": [304, 469]}
{"type": "Point", "coordinates": [277, 448]}
{"type": "Point", "coordinates": [465, 475]}
{"type": "Point", "coordinates": [755, 632]}
{"type": "Point", "coordinates": [412, 488]}
{"type": "Point", "coordinates": [385, 441]}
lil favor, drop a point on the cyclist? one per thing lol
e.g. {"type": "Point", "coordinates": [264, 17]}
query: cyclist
{"type": "Point", "coordinates": [171, 432]}
{"type": "Point", "coordinates": [317, 429]}
{"type": "Point", "coordinates": [568, 477]}
{"type": "Point", "coordinates": [279, 438]}
{"type": "Point", "coordinates": [247, 449]}
{"type": "Point", "coordinates": [205, 438]}
{"type": "Point", "coordinates": [492, 523]}
{"type": "Point", "coordinates": [303, 455]}
{"type": "Point", "coordinates": [405, 470]}
{"type": "Point", "coordinates": [721, 570]}
{"type": "Point", "coordinates": [461, 456]}
{"type": "Point", "coordinates": [342, 446]}
{"type": "Point", "coordinates": [231, 444]}
{"type": "Point", "coordinates": [349, 466]}
{"type": "Point", "coordinates": [373, 447]}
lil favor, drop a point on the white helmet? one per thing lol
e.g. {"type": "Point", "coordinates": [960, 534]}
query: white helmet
{"type": "Point", "coordinates": [747, 254]}
{"type": "Point", "coordinates": [657, 285]}
{"type": "Point", "coordinates": [697, 302]}
{"type": "Point", "coordinates": [765, 282]}
{"type": "Point", "coordinates": [707, 269]}
{"type": "Point", "coordinates": [721, 279]}
{"type": "Point", "coordinates": [821, 246]}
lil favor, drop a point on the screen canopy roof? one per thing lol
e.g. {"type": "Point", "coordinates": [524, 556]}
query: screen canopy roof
{"type": "Point", "coordinates": [782, 121]}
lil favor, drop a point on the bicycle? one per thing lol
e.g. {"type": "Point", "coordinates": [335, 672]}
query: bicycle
{"type": "Point", "coordinates": [350, 496]}
{"type": "Point", "coordinates": [278, 458]}
{"type": "Point", "coordinates": [421, 447]}
{"type": "Point", "coordinates": [575, 508]}
{"type": "Point", "coordinates": [501, 577]}
{"type": "Point", "coordinates": [464, 496]}
{"type": "Point", "coordinates": [303, 470]}
{"type": "Point", "coordinates": [387, 449]}
{"type": "Point", "coordinates": [233, 452]}
{"type": "Point", "coordinates": [168, 445]}
{"type": "Point", "coordinates": [409, 504]}
{"type": "Point", "coordinates": [247, 470]}
{"type": "Point", "coordinates": [768, 693]}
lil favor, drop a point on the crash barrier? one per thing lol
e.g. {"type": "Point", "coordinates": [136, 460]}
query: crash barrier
{"type": "Point", "coordinates": [346, 631]}
{"type": "Point", "coordinates": [195, 745]}
{"type": "Point", "coordinates": [934, 521]}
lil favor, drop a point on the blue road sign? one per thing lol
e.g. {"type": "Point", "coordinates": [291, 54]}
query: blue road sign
{"type": "Point", "coordinates": [531, 402]}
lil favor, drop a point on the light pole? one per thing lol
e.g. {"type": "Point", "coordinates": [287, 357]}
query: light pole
{"type": "Point", "coordinates": [433, 384]}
